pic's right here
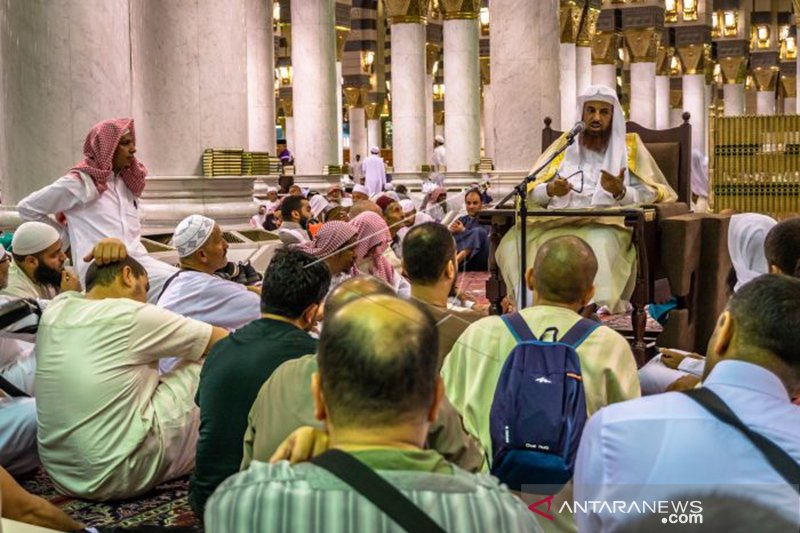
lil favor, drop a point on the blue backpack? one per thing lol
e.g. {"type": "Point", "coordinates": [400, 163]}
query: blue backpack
{"type": "Point", "coordinates": [539, 408]}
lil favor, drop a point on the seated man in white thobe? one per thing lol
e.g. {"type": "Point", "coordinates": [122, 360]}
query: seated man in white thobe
{"type": "Point", "coordinates": [37, 270]}
{"type": "Point", "coordinates": [605, 168]}
{"type": "Point", "coordinates": [98, 198]}
{"type": "Point", "coordinates": [111, 426]}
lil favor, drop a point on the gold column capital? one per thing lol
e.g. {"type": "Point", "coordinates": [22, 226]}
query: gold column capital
{"type": "Point", "coordinates": [372, 110]}
{"type": "Point", "coordinates": [287, 106]}
{"type": "Point", "coordinates": [734, 69]}
{"type": "Point", "coordinates": [588, 26]}
{"type": "Point", "coordinates": [355, 96]}
{"type": "Point", "coordinates": [486, 71]}
{"type": "Point", "coordinates": [676, 98]}
{"type": "Point", "coordinates": [766, 78]}
{"type": "Point", "coordinates": [406, 11]}
{"type": "Point", "coordinates": [569, 15]}
{"type": "Point", "coordinates": [604, 48]}
{"type": "Point", "coordinates": [341, 38]}
{"type": "Point", "coordinates": [438, 117]}
{"type": "Point", "coordinates": [431, 56]}
{"type": "Point", "coordinates": [789, 84]}
{"type": "Point", "coordinates": [664, 56]}
{"type": "Point", "coordinates": [460, 9]}
{"type": "Point", "coordinates": [693, 57]}
{"type": "Point", "coordinates": [642, 43]}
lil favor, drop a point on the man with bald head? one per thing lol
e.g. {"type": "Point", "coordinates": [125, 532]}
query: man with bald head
{"type": "Point", "coordinates": [377, 391]}
{"type": "Point", "coordinates": [562, 283]}
{"type": "Point", "coordinates": [285, 404]}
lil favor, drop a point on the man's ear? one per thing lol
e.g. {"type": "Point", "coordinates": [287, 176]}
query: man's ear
{"type": "Point", "coordinates": [438, 394]}
{"type": "Point", "coordinates": [724, 334]}
{"type": "Point", "coordinates": [529, 279]}
{"type": "Point", "coordinates": [30, 261]}
{"type": "Point", "coordinates": [320, 409]}
{"type": "Point", "coordinates": [450, 270]}
{"type": "Point", "coordinates": [310, 314]}
{"type": "Point", "coordinates": [589, 295]}
{"type": "Point", "coordinates": [775, 269]}
{"type": "Point", "coordinates": [127, 276]}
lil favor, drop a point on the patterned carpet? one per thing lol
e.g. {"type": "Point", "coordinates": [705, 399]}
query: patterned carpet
{"type": "Point", "coordinates": [163, 507]}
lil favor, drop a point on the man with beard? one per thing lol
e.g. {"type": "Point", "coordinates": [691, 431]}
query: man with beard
{"type": "Point", "coordinates": [38, 268]}
{"type": "Point", "coordinates": [604, 168]}
{"type": "Point", "coordinates": [472, 238]}
{"type": "Point", "coordinates": [296, 213]}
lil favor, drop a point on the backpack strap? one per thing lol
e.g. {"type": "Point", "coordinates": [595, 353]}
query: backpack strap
{"type": "Point", "coordinates": [777, 457]}
{"type": "Point", "coordinates": [519, 328]}
{"type": "Point", "coordinates": [578, 333]}
{"type": "Point", "coordinates": [167, 283]}
{"type": "Point", "coordinates": [377, 490]}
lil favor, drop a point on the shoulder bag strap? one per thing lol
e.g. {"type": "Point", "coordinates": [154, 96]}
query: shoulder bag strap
{"type": "Point", "coordinates": [578, 333]}
{"type": "Point", "coordinates": [519, 328]}
{"type": "Point", "coordinates": [166, 283]}
{"type": "Point", "coordinates": [778, 458]}
{"type": "Point", "coordinates": [377, 490]}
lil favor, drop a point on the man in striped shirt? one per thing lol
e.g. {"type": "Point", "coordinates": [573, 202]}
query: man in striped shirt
{"type": "Point", "coordinates": [377, 391]}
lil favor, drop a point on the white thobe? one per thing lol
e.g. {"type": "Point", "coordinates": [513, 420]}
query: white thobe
{"type": "Point", "coordinates": [439, 162]}
{"type": "Point", "coordinates": [21, 286]}
{"type": "Point", "coordinates": [292, 233]}
{"type": "Point", "coordinates": [18, 452]}
{"type": "Point", "coordinates": [374, 174]}
{"type": "Point", "coordinates": [92, 217]}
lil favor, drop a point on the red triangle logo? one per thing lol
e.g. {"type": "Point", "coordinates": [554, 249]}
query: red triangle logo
{"type": "Point", "coordinates": [548, 501]}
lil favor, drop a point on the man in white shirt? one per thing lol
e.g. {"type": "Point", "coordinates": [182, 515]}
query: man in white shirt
{"type": "Point", "coordinates": [296, 213]}
{"type": "Point", "coordinates": [439, 160]}
{"type": "Point", "coordinates": [38, 268]}
{"type": "Point", "coordinates": [666, 446]}
{"type": "Point", "coordinates": [374, 172]}
{"type": "Point", "coordinates": [111, 426]}
{"type": "Point", "coordinates": [99, 198]}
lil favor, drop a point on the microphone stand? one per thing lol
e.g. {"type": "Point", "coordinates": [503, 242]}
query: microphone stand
{"type": "Point", "coordinates": [521, 190]}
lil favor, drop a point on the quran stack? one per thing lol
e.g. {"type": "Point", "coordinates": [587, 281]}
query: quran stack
{"type": "Point", "coordinates": [222, 162]}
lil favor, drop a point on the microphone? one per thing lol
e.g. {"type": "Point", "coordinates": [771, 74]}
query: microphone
{"type": "Point", "coordinates": [576, 129]}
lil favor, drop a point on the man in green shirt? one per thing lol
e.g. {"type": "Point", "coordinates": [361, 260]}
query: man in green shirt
{"type": "Point", "coordinates": [295, 284]}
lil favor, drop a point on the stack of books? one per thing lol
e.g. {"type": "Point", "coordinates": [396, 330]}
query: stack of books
{"type": "Point", "coordinates": [256, 163]}
{"type": "Point", "coordinates": [332, 170]}
{"type": "Point", "coordinates": [274, 166]}
{"type": "Point", "coordinates": [222, 162]}
{"type": "Point", "coordinates": [485, 165]}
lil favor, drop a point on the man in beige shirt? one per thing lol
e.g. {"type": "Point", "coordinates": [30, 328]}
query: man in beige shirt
{"type": "Point", "coordinates": [284, 402]}
{"type": "Point", "coordinates": [38, 267]}
{"type": "Point", "coordinates": [110, 426]}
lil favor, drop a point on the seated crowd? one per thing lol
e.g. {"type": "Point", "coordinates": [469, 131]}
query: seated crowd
{"type": "Point", "coordinates": [357, 354]}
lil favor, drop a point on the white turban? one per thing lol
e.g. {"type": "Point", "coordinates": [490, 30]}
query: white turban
{"type": "Point", "coordinates": [347, 202]}
{"type": "Point", "coordinates": [439, 139]}
{"type": "Point", "coordinates": [191, 234]}
{"type": "Point", "coordinates": [375, 150]}
{"type": "Point", "coordinates": [361, 188]}
{"type": "Point", "coordinates": [317, 204]}
{"type": "Point", "coordinates": [271, 189]}
{"type": "Point", "coordinates": [33, 237]}
{"type": "Point", "coordinates": [407, 205]}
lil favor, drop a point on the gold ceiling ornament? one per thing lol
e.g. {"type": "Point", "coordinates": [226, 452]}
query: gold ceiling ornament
{"type": "Point", "coordinates": [604, 48]}
{"type": "Point", "coordinates": [789, 85]}
{"type": "Point", "coordinates": [766, 78]}
{"type": "Point", "coordinates": [431, 57]}
{"type": "Point", "coordinates": [642, 44]}
{"type": "Point", "coordinates": [460, 9]}
{"type": "Point", "coordinates": [341, 38]}
{"type": "Point", "coordinates": [709, 66]}
{"type": "Point", "coordinates": [406, 11]}
{"type": "Point", "coordinates": [693, 58]}
{"type": "Point", "coordinates": [569, 15]}
{"type": "Point", "coordinates": [734, 69]}
{"type": "Point", "coordinates": [372, 110]}
{"type": "Point", "coordinates": [355, 96]}
{"type": "Point", "coordinates": [588, 26]}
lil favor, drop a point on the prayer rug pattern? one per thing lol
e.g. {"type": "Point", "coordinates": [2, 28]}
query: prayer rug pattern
{"type": "Point", "coordinates": [165, 506]}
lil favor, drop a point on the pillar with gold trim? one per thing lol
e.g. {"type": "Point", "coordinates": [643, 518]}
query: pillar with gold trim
{"type": "Point", "coordinates": [315, 86]}
{"type": "Point", "coordinates": [462, 79]}
{"type": "Point", "coordinates": [605, 46]}
{"type": "Point", "coordinates": [664, 56]}
{"type": "Point", "coordinates": [583, 46]}
{"type": "Point", "coordinates": [373, 113]}
{"type": "Point", "coordinates": [356, 100]}
{"type": "Point", "coordinates": [642, 27]}
{"type": "Point", "coordinates": [570, 13]}
{"type": "Point", "coordinates": [408, 18]}
{"type": "Point", "coordinates": [694, 44]}
{"type": "Point", "coordinates": [730, 31]}
{"type": "Point", "coordinates": [433, 55]}
{"type": "Point", "coordinates": [342, 29]}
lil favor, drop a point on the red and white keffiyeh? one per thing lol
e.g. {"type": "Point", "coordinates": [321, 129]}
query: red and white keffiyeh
{"type": "Point", "coordinates": [373, 239]}
{"type": "Point", "coordinates": [99, 148]}
{"type": "Point", "coordinates": [329, 239]}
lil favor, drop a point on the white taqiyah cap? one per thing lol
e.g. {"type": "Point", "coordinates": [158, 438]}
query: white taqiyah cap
{"type": "Point", "coordinates": [33, 237]}
{"type": "Point", "coordinates": [361, 188]}
{"type": "Point", "coordinates": [191, 234]}
{"type": "Point", "coordinates": [407, 205]}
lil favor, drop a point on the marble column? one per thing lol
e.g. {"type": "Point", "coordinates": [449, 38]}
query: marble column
{"type": "Point", "coordinates": [463, 97]}
{"type": "Point", "coordinates": [526, 84]}
{"type": "Point", "coordinates": [429, 81]}
{"type": "Point", "coordinates": [568, 87]}
{"type": "Point", "coordinates": [290, 134]}
{"type": "Point", "coordinates": [488, 121]}
{"type": "Point", "coordinates": [605, 43]}
{"type": "Point", "coordinates": [315, 86]}
{"type": "Point", "coordinates": [583, 69]}
{"type": "Point", "coordinates": [408, 85]}
{"type": "Point", "coordinates": [694, 102]}
{"type": "Point", "coordinates": [733, 99]}
{"type": "Point", "coordinates": [339, 114]}
{"type": "Point", "coordinates": [662, 102]}
{"type": "Point", "coordinates": [358, 133]}
{"type": "Point", "coordinates": [797, 80]}
{"type": "Point", "coordinates": [765, 103]}
{"type": "Point", "coordinates": [790, 105]}
{"type": "Point", "coordinates": [675, 117]}
{"type": "Point", "coordinates": [260, 86]}
{"type": "Point", "coordinates": [189, 81]}
{"type": "Point", "coordinates": [64, 70]}
{"type": "Point", "coordinates": [643, 94]}
{"type": "Point", "coordinates": [374, 137]}
{"type": "Point", "coordinates": [605, 75]}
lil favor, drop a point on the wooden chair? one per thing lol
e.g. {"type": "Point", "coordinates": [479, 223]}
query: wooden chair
{"type": "Point", "coordinates": [666, 237]}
